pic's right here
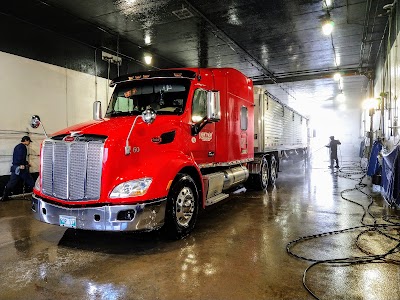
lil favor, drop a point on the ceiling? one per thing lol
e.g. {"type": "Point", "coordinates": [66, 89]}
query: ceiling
{"type": "Point", "coordinates": [277, 43]}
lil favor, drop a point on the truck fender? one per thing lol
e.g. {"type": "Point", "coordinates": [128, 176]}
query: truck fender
{"type": "Point", "coordinates": [181, 163]}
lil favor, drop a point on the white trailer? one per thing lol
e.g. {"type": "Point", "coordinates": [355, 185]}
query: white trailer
{"type": "Point", "coordinates": [279, 133]}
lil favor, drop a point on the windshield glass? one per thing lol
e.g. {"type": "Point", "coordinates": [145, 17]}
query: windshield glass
{"type": "Point", "coordinates": [167, 96]}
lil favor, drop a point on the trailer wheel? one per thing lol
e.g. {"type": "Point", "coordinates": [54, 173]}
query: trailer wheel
{"type": "Point", "coordinates": [273, 166]}
{"type": "Point", "coordinates": [182, 207]}
{"type": "Point", "coordinates": [260, 181]}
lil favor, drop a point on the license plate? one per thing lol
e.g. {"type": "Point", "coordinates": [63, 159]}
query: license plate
{"type": "Point", "coordinates": [68, 221]}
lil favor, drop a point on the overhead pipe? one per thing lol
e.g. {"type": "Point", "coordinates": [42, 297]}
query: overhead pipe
{"type": "Point", "coordinates": [386, 78]}
{"type": "Point", "coordinates": [365, 30]}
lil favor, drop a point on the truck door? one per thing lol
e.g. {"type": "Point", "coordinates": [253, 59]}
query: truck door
{"type": "Point", "coordinates": [203, 143]}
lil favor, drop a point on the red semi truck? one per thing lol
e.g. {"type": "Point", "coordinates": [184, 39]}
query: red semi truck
{"type": "Point", "coordinates": [171, 142]}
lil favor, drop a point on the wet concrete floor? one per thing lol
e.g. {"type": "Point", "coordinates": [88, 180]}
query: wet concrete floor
{"type": "Point", "coordinates": [237, 250]}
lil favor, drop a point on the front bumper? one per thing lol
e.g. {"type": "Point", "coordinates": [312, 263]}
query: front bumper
{"type": "Point", "coordinates": [146, 216]}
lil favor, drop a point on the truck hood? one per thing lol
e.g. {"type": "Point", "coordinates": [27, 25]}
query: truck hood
{"type": "Point", "coordinates": [119, 127]}
{"type": "Point", "coordinates": [107, 127]}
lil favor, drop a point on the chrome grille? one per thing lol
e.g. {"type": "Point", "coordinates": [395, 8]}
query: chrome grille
{"type": "Point", "coordinates": [47, 168]}
{"type": "Point", "coordinates": [94, 165]}
{"type": "Point", "coordinates": [77, 172]}
{"type": "Point", "coordinates": [72, 171]}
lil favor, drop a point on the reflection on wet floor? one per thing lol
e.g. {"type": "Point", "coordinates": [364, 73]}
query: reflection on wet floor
{"type": "Point", "coordinates": [237, 251]}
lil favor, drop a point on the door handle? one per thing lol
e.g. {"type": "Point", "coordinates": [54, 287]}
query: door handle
{"type": "Point", "coordinates": [211, 153]}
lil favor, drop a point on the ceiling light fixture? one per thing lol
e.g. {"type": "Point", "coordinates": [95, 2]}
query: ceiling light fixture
{"type": "Point", "coordinates": [327, 25]}
{"type": "Point", "coordinates": [337, 76]}
{"type": "Point", "coordinates": [147, 39]}
{"type": "Point", "coordinates": [370, 103]}
{"type": "Point", "coordinates": [327, 3]}
{"type": "Point", "coordinates": [148, 33]}
{"type": "Point", "coordinates": [148, 58]}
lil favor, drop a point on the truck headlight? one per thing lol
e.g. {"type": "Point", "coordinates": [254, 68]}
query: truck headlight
{"type": "Point", "coordinates": [131, 188]}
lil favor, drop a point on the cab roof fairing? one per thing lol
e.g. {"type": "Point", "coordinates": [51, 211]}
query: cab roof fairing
{"type": "Point", "coordinates": [173, 73]}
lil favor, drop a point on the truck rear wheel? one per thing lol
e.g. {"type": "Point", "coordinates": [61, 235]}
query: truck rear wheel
{"type": "Point", "coordinates": [182, 207]}
{"type": "Point", "coordinates": [273, 167]}
{"type": "Point", "coordinates": [260, 181]}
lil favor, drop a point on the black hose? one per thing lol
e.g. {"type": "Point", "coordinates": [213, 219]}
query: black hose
{"type": "Point", "coordinates": [349, 173]}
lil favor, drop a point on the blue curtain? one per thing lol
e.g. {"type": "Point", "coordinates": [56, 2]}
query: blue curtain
{"type": "Point", "coordinates": [373, 165]}
{"type": "Point", "coordinates": [391, 177]}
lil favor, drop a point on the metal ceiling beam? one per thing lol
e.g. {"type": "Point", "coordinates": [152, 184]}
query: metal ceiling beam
{"type": "Point", "coordinates": [308, 75]}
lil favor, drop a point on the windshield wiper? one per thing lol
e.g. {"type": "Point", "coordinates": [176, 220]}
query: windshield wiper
{"type": "Point", "coordinates": [124, 113]}
{"type": "Point", "coordinates": [117, 113]}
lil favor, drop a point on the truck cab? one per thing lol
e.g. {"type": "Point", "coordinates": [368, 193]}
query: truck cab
{"type": "Point", "coordinates": [171, 142]}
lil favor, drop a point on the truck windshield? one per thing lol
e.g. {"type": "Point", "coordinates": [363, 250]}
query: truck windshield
{"type": "Point", "coordinates": [167, 96]}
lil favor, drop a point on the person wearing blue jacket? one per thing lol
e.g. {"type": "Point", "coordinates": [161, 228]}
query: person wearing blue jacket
{"type": "Point", "coordinates": [20, 168]}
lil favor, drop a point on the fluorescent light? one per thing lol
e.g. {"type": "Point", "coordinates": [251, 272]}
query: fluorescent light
{"type": "Point", "coordinates": [147, 39]}
{"type": "Point", "coordinates": [328, 3]}
{"type": "Point", "coordinates": [147, 59]}
{"type": "Point", "coordinates": [370, 103]}
{"type": "Point", "coordinates": [147, 36]}
{"type": "Point", "coordinates": [327, 27]}
{"type": "Point", "coordinates": [337, 76]}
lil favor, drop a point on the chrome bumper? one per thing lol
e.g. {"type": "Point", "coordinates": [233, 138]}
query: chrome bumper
{"type": "Point", "coordinates": [146, 216]}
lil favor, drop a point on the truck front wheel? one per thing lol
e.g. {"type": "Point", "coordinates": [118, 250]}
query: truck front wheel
{"type": "Point", "coordinates": [182, 207]}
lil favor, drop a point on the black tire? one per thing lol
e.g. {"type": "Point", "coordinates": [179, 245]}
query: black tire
{"type": "Point", "coordinates": [273, 170]}
{"type": "Point", "coordinates": [260, 181]}
{"type": "Point", "coordinates": [182, 207]}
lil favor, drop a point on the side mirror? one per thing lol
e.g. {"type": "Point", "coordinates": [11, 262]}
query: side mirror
{"type": "Point", "coordinates": [35, 121]}
{"type": "Point", "coordinates": [97, 110]}
{"type": "Point", "coordinates": [213, 106]}
{"type": "Point", "coordinates": [148, 116]}
{"type": "Point", "coordinates": [213, 112]}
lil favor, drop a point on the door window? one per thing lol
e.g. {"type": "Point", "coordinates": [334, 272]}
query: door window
{"type": "Point", "coordinates": [199, 105]}
{"type": "Point", "coordinates": [243, 118]}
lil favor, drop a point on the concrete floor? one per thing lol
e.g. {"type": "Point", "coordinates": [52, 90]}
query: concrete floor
{"type": "Point", "coordinates": [237, 251]}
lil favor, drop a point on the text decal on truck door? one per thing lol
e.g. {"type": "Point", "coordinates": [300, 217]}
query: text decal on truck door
{"type": "Point", "coordinates": [205, 136]}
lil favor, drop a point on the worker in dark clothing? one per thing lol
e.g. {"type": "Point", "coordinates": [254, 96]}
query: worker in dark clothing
{"type": "Point", "coordinates": [333, 144]}
{"type": "Point", "coordinates": [20, 168]}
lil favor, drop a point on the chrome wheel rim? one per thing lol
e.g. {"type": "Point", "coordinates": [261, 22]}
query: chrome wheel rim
{"type": "Point", "coordinates": [273, 171]}
{"type": "Point", "coordinates": [184, 206]}
{"type": "Point", "coordinates": [264, 173]}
